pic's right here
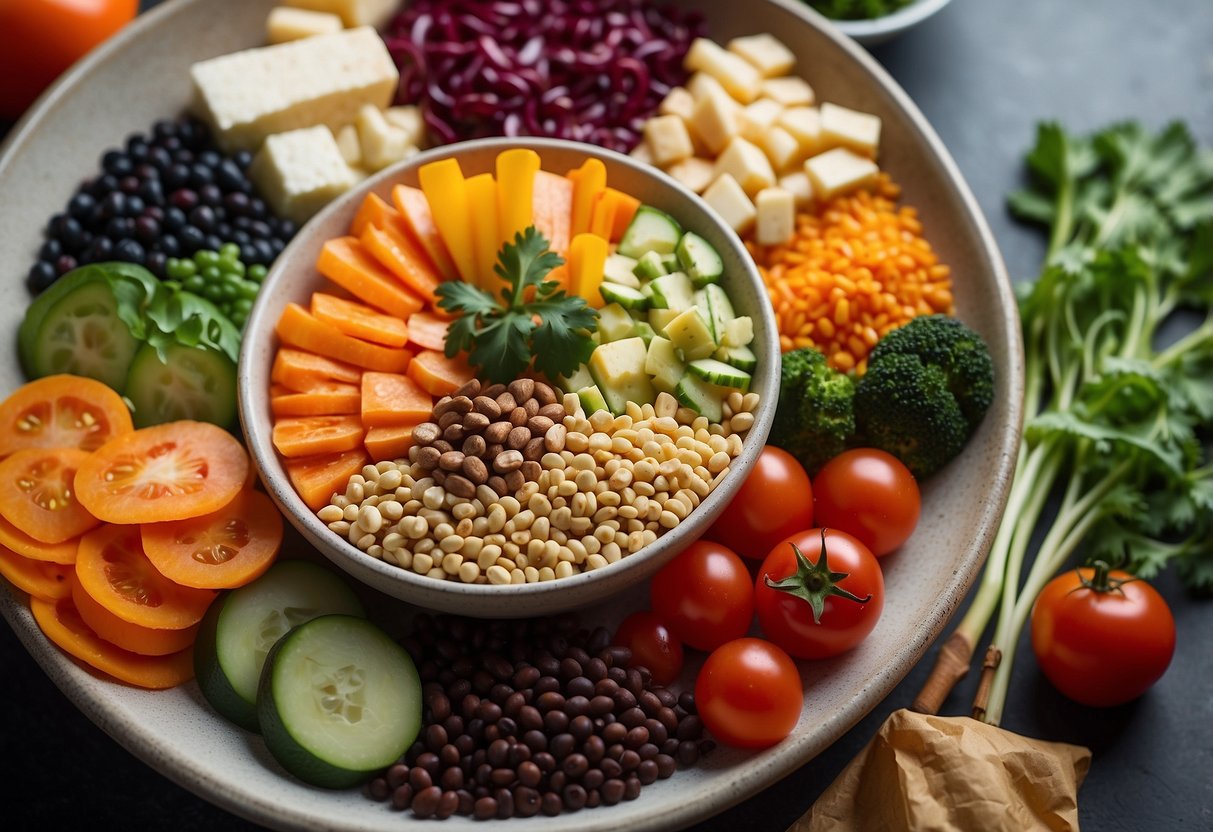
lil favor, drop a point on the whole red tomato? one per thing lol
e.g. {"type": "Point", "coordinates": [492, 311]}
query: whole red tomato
{"type": "Point", "coordinates": [652, 645]}
{"type": "Point", "coordinates": [775, 500]}
{"type": "Point", "coordinates": [819, 593]}
{"type": "Point", "coordinates": [704, 595]}
{"type": "Point", "coordinates": [749, 693]}
{"type": "Point", "coordinates": [1102, 637]}
{"type": "Point", "coordinates": [41, 38]}
{"type": "Point", "coordinates": [869, 494]}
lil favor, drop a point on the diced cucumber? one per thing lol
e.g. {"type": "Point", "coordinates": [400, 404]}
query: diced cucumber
{"type": "Point", "coordinates": [672, 291]}
{"type": "Point", "coordinates": [663, 364]}
{"type": "Point", "coordinates": [242, 625]}
{"type": "Point", "coordinates": [80, 333]}
{"type": "Point", "coordinates": [691, 334]}
{"type": "Point", "coordinates": [703, 397]}
{"type": "Point", "coordinates": [338, 701]}
{"type": "Point", "coordinates": [618, 369]}
{"type": "Point", "coordinates": [614, 323]}
{"type": "Point", "coordinates": [625, 296]}
{"type": "Point", "coordinates": [699, 259]}
{"type": "Point", "coordinates": [719, 310]}
{"type": "Point", "coordinates": [670, 262]}
{"type": "Point", "coordinates": [738, 332]}
{"type": "Point", "coordinates": [618, 269]}
{"type": "Point", "coordinates": [591, 399]}
{"type": "Point", "coordinates": [580, 378]}
{"type": "Point", "coordinates": [644, 332]}
{"type": "Point", "coordinates": [195, 383]}
{"type": "Point", "coordinates": [742, 358]}
{"type": "Point", "coordinates": [717, 372]}
{"type": "Point", "coordinates": [650, 230]}
{"type": "Point", "coordinates": [660, 318]}
{"type": "Point", "coordinates": [650, 266]}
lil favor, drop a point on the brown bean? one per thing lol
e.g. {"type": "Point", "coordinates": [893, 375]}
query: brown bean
{"type": "Point", "coordinates": [534, 450]}
{"type": "Point", "coordinates": [493, 391]}
{"type": "Point", "coordinates": [485, 808]}
{"type": "Point", "coordinates": [476, 422]}
{"type": "Point", "coordinates": [518, 438]}
{"type": "Point", "coordinates": [454, 433]}
{"type": "Point", "coordinates": [496, 433]}
{"type": "Point", "coordinates": [507, 461]}
{"type": "Point", "coordinates": [486, 407]}
{"type": "Point", "coordinates": [506, 402]}
{"type": "Point", "coordinates": [449, 418]}
{"type": "Point", "coordinates": [555, 412]}
{"type": "Point", "coordinates": [518, 417]}
{"type": "Point", "coordinates": [427, 457]}
{"type": "Point", "coordinates": [498, 485]}
{"type": "Point", "coordinates": [442, 445]}
{"type": "Point", "coordinates": [439, 476]}
{"type": "Point", "coordinates": [531, 408]}
{"type": "Point", "coordinates": [470, 389]}
{"type": "Point", "coordinates": [530, 471]}
{"type": "Point", "coordinates": [521, 389]}
{"type": "Point", "coordinates": [451, 461]}
{"type": "Point", "coordinates": [539, 425]}
{"type": "Point", "coordinates": [475, 470]}
{"type": "Point", "coordinates": [460, 486]}
{"type": "Point", "coordinates": [474, 446]}
{"type": "Point", "coordinates": [426, 432]}
{"type": "Point", "coordinates": [544, 394]}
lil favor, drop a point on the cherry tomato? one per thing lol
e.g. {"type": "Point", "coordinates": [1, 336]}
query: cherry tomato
{"type": "Point", "coordinates": [749, 693]}
{"type": "Point", "coordinates": [775, 500]}
{"type": "Point", "coordinates": [704, 595]}
{"type": "Point", "coordinates": [652, 645]}
{"type": "Point", "coordinates": [44, 37]}
{"type": "Point", "coordinates": [1102, 638]}
{"type": "Point", "coordinates": [849, 606]}
{"type": "Point", "coordinates": [869, 494]}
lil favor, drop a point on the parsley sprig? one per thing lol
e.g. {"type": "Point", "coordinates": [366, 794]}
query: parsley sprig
{"type": "Point", "coordinates": [535, 322]}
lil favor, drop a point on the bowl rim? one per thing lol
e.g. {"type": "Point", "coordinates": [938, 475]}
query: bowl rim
{"type": "Point", "coordinates": [415, 587]}
{"type": "Point", "coordinates": [897, 21]}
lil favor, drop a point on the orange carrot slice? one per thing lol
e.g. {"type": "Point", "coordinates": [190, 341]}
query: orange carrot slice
{"type": "Point", "coordinates": [322, 400]}
{"type": "Point", "coordinates": [374, 210]}
{"type": "Point", "coordinates": [62, 411]}
{"type": "Point", "coordinates": [428, 331]}
{"type": "Point", "coordinates": [589, 181]}
{"type": "Point", "coordinates": [298, 328]}
{"type": "Point", "coordinates": [439, 375]}
{"type": "Point", "coordinates": [552, 206]}
{"type": "Point", "coordinates": [359, 320]}
{"type": "Point", "coordinates": [625, 210]}
{"type": "Point", "coordinates": [37, 494]}
{"type": "Point", "coordinates": [62, 624]}
{"type": "Point", "coordinates": [24, 545]}
{"type": "Point", "coordinates": [412, 205]}
{"type": "Point", "coordinates": [310, 435]}
{"type": "Point", "coordinates": [391, 246]}
{"type": "Point", "coordinates": [346, 262]}
{"type": "Point", "coordinates": [393, 399]}
{"type": "Point", "coordinates": [317, 478]}
{"type": "Point", "coordinates": [48, 581]}
{"type": "Point", "coordinates": [390, 442]}
{"type": "Point", "coordinates": [300, 370]}
{"type": "Point", "coordinates": [145, 641]}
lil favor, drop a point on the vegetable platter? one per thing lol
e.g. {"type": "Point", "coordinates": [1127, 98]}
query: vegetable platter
{"type": "Point", "coordinates": [142, 76]}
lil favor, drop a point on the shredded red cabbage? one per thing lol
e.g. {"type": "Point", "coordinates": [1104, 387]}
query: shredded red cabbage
{"type": "Point", "coordinates": [588, 70]}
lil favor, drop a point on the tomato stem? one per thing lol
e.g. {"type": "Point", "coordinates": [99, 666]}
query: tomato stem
{"type": "Point", "coordinates": [814, 582]}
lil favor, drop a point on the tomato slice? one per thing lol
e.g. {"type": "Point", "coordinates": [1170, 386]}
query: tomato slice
{"type": "Point", "coordinates": [113, 569]}
{"type": "Point", "coordinates": [37, 494]}
{"type": "Point", "coordinates": [166, 472]}
{"type": "Point", "coordinates": [24, 545]}
{"type": "Point", "coordinates": [48, 581]}
{"type": "Point", "coordinates": [62, 411]}
{"type": "Point", "coordinates": [63, 625]}
{"type": "Point", "coordinates": [221, 550]}
{"type": "Point", "coordinates": [142, 640]}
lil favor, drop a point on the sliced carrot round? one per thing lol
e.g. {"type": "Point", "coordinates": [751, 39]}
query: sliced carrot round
{"type": "Point", "coordinates": [310, 435]}
{"type": "Point", "coordinates": [37, 494]}
{"type": "Point", "coordinates": [222, 550]}
{"type": "Point", "coordinates": [24, 545]}
{"type": "Point", "coordinates": [167, 472]}
{"type": "Point", "coordinates": [142, 640]}
{"type": "Point", "coordinates": [49, 581]}
{"type": "Point", "coordinates": [62, 624]}
{"type": "Point", "coordinates": [62, 411]}
{"type": "Point", "coordinates": [113, 569]}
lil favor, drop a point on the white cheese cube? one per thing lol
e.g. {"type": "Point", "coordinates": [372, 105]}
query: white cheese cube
{"type": "Point", "coordinates": [757, 118]}
{"type": "Point", "coordinates": [776, 220]}
{"type": "Point", "coordinates": [714, 120]}
{"type": "Point", "coordinates": [407, 118]}
{"type": "Point", "coordinates": [677, 102]}
{"type": "Point", "coordinates": [738, 332]}
{"type": "Point", "coordinates": [726, 198]}
{"type": "Point", "coordinates": [641, 153]}
{"type": "Point", "coordinates": [668, 139]}
{"type": "Point", "coordinates": [782, 149]}
{"type": "Point", "coordinates": [842, 127]}
{"type": "Point", "coordinates": [804, 123]}
{"type": "Point", "coordinates": [349, 145]}
{"type": "Point", "coordinates": [790, 91]}
{"type": "Point", "coordinates": [838, 171]}
{"type": "Point", "coordinates": [747, 164]}
{"type": "Point", "coordinates": [695, 173]}
{"type": "Point", "coordinates": [382, 144]}
{"type": "Point", "coordinates": [246, 96]}
{"type": "Point", "coordinates": [701, 84]}
{"type": "Point", "coordinates": [735, 74]}
{"type": "Point", "coordinates": [301, 171]}
{"type": "Point", "coordinates": [286, 24]}
{"type": "Point", "coordinates": [352, 12]}
{"type": "Point", "coordinates": [799, 186]}
{"type": "Point", "coordinates": [765, 53]}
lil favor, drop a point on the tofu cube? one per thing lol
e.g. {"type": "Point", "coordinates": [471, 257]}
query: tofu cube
{"type": "Point", "coordinates": [735, 74]}
{"type": "Point", "coordinates": [407, 118]}
{"type": "Point", "coordinates": [714, 119]}
{"type": "Point", "coordinates": [322, 80]}
{"type": "Point", "coordinates": [765, 53]}
{"type": "Point", "coordinates": [349, 145]}
{"type": "Point", "coordinates": [757, 118]}
{"type": "Point", "coordinates": [677, 102]}
{"type": "Point", "coordinates": [776, 216]}
{"type": "Point", "coordinates": [782, 149]}
{"type": "Point", "coordinates": [842, 127]}
{"type": "Point", "coordinates": [701, 84]}
{"type": "Point", "coordinates": [668, 139]}
{"type": "Point", "coordinates": [804, 124]}
{"type": "Point", "coordinates": [641, 153]}
{"type": "Point", "coordinates": [352, 12]}
{"type": "Point", "coordinates": [790, 91]}
{"type": "Point", "coordinates": [799, 186]}
{"type": "Point", "coordinates": [382, 144]}
{"type": "Point", "coordinates": [838, 171]}
{"type": "Point", "coordinates": [300, 171]}
{"type": "Point", "coordinates": [747, 165]}
{"type": "Point", "coordinates": [286, 24]}
{"type": "Point", "coordinates": [695, 173]}
{"type": "Point", "coordinates": [726, 198]}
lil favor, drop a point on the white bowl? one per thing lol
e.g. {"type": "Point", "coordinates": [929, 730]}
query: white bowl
{"type": "Point", "coordinates": [294, 278]}
{"type": "Point", "coordinates": [881, 29]}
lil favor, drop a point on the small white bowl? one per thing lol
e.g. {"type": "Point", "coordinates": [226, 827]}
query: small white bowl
{"type": "Point", "coordinates": [881, 29]}
{"type": "Point", "coordinates": [293, 279]}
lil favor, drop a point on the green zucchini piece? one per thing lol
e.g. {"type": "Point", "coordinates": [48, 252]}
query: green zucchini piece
{"type": "Point", "coordinates": [196, 383]}
{"type": "Point", "coordinates": [649, 230]}
{"type": "Point", "coordinates": [717, 372]}
{"type": "Point", "coordinates": [699, 259]}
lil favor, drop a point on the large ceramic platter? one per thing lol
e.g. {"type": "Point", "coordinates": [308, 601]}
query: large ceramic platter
{"type": "Point", "coordinates": [142, 76]}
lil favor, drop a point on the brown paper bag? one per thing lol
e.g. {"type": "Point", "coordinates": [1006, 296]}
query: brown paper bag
{"type": "Point", "coordinates": [952, 774]}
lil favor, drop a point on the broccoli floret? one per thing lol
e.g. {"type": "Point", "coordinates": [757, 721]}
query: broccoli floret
{"type": "Point", "coordinates": [814, 417]}
{"type": "Point", "coordinates": [926, 389]}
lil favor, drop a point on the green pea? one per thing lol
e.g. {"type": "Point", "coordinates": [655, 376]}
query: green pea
{"type": "Point", "coordinates": [179, 269]}
{"type": "Point", "coordinates": [248, 289]}
{"type": "Point", "coordinates": [242, 306]}
{"type": "Point", "coordinates": [205, 258]}
{"type": "Point", "coordinates": [229, 251]}
{"type": "Point", "coordinates": [195, 284]}
{"type": "Point", "coordinates": [232, 267]}
{"type": "Point", "coordinates": [211, 274]}
{"type": "Point", "coordinates": [228, 291]}
{"type": "Point", "coordinates": [257, 272]}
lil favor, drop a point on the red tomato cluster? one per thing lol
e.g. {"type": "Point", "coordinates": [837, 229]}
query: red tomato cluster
{"type": "Point", "coordinates": [818, 592]}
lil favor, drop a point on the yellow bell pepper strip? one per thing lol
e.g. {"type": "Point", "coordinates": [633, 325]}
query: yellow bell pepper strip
{"type": "Point", "coordinates": [482, 218]}
{"type": "Point", "coordinates": [589, 181]}
{"type": "Point", "coordinates": [587, 262]}
{"type": "Point", "coordinates": [445, 190]}
{"type": "Point", "coordinates": [516, 171]}
{"type": "Point", "coordinates": [612, 213]}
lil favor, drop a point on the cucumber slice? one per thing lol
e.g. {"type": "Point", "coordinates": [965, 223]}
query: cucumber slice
{"type": "Point", "coordinates": [742, 358]}
{"type": "Point", "coordinates": [660, 318]}
{"type": "Point", "coordinates": [241, 626]}
{"type": "Point", "coordinates": [580, 378]}
{"type": "Point", "coordinates": [717, 308]}
{"type": "Point", "coordinates": [699, 259]}
{"type": "Point", "coordinates": [625, 296]}
{"type": "Point", "coordinates": [614, 323]}
{"type": "Point", "coordinates": [702, 396]}
{"type": "Point", "coordinates": [644, 332]}
{"type": "Point", "coordinates": [664, 365]}
{"type": "Point", "coordinates": [670, 263]}
{"type": "Point", "coordinates": [196, 383]}
{"type": "Point", "coordinates": [650, 230]}
{"type": "Point", "coordinates": [619, 269]}
{"type": "Point", "coordinates": [717, 372]}
{"type": "Point", "coordinates": [650, 266]}
{"type": "Point", "coordinates": [80, 333]}
{"type": "Point", "coordinates": [338, 701]}
{"type": "Point", "coordinates": [672, 291]}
